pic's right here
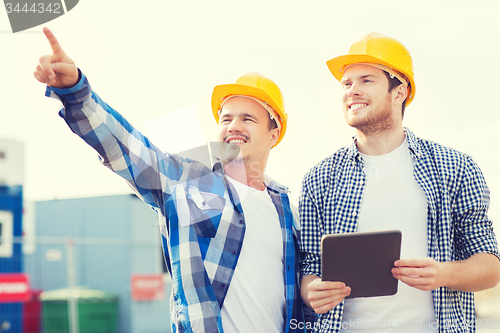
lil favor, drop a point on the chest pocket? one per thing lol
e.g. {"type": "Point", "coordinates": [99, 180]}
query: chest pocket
{"type": "Point", "coordinates": [205, 210]}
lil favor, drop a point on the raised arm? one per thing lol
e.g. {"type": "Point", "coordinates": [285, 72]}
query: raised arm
{"type": "Point", "coordinates": [151, 173]}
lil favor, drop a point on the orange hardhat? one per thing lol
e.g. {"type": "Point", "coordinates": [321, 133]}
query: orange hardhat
{"type": "Point", "coordinates": [382, 52]}
{"type": "Point", "coordinates": [257, 86]}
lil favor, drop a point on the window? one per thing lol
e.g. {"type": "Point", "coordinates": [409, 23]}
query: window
{"type": "Point", "coordinates": [6, 234]}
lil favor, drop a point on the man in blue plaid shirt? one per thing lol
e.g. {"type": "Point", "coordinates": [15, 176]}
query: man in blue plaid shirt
{"type": "Point", "coordinates": [229, 233]}
{"type": "Point", "coordinates": [390, 179]}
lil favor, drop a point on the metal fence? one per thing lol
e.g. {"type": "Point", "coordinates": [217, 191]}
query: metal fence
{"type": "Point", "coordinates": [87, 285]}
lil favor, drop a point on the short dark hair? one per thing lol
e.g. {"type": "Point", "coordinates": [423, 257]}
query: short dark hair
{"type": "Point", "coordinates": [394, 83]}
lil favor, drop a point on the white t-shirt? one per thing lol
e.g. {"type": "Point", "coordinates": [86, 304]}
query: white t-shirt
{"type": "Point", "coordinates": [255, 300]}
{"type": "Point", "coordinates": [392, 200]}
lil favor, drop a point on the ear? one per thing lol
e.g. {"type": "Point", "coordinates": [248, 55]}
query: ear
{"type": "Point", "coordinates": [400, 93]}
{"type": "Point", "coordinates": [275, 134]}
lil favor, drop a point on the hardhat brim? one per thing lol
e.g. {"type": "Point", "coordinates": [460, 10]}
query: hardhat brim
{"type": "Point", "coordinates": [222, 91]}
{"type": "Point", "coordinates": [338, 64]}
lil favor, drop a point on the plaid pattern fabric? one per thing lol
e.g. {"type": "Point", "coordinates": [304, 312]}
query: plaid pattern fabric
{"type": "Point", "coordinates": [201, 218]}
{"type": "Point", "coordinates": [458, 225]}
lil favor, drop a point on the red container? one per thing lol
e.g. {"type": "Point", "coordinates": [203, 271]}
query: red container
{"type": "Point", "coordinates": [32, 310]}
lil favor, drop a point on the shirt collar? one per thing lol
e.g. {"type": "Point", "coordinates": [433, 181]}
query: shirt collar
{"type": "Point", "coordinates": [413, 143]}
{"type": "Point", "coordinates": [275, 186]}
{"type": "Point", "coordinates": [353, 151]}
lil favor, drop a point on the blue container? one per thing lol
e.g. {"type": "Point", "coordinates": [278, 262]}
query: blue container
{"type": "Point", "coordinates": [11, 200]}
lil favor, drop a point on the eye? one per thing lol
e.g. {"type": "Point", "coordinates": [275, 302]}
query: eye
{"type": "Point", "coordinates": [367, 81]}
{"type": "Point", "coordinates": [346, 84]}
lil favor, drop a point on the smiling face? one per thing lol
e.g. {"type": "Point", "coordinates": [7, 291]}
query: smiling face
{"type": "Point", "coordinates": [244, 123]}
{"type": "Point", "coordinates": [368, 105]}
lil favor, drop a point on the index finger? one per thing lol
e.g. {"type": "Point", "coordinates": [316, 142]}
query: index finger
{"type": "Point", "coordinates": [54, 44]}
{"type": "Point", "coordinates": [327, 285]}
{"type": "Point", "coordinates": [414, 262]}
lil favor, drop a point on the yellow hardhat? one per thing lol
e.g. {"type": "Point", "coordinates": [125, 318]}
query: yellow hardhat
{"type": "Point", "coordinates": [258, 86]}
{"type": "Point", "coordinates": [381, 50]}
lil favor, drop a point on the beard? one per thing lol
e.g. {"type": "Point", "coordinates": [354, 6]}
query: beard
{"type": "Point", "coordinates": [378, 120]}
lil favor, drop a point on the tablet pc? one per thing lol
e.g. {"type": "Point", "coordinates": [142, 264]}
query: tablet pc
{"type": "Point", "coordinates": [362, 260]}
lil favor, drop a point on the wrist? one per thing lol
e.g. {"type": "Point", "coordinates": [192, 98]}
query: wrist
{"type": "Point", "coordinates": [70, 89]}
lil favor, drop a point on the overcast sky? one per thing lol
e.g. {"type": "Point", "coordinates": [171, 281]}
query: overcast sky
{"type": "Point", "coordinates": [148, 58]}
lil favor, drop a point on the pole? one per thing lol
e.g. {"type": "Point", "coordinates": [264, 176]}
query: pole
{"type": "Point", "coordinates": [71, 275]}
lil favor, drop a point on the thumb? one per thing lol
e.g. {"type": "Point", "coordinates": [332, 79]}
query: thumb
{"type": "Point", "coordinates": [65, 69]}
{"type": "Point", "coordinates": [67, 74]}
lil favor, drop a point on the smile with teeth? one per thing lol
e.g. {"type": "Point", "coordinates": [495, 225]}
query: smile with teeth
{"type": "Point", "coordinates": [357, 106]}
{"type": "Point", "coordinates": [236, 140]}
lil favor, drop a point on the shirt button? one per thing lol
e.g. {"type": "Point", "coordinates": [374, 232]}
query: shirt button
{"type": "Point", "coordinates": [354, 213]}
{"type": "Point", "coordinates": [241, 221]}
{"type": "Point", "coordinates": [233, 252]}
{"type": "Point", "coordinates": [222, 286]}
{"type": "Point", "coordinates": [336, 316]}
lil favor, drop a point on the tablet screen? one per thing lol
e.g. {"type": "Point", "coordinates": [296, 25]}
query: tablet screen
{"type": "Point", "coordinates": [362, 260]}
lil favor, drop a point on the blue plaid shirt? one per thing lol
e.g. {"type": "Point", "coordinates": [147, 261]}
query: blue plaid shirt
{"type": "Point", "coordinates": [458, 225]}
{"type": "Point", "coordinates": [202, 238]}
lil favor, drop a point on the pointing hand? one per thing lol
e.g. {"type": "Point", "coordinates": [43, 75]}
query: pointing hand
{"type": "Point", "coordinates": [57, 69]}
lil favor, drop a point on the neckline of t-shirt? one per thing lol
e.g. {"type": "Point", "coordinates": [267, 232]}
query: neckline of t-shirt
{"type": "Point", "coordinates": [244, 187]}
{"type": "Point", "coordinates": [375, 158]}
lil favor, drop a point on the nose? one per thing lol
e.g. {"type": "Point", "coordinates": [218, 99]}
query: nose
{"type": "Point", "coordinates": [236, 125]}
{"type": "Point", "coordinates": [353, 90]}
